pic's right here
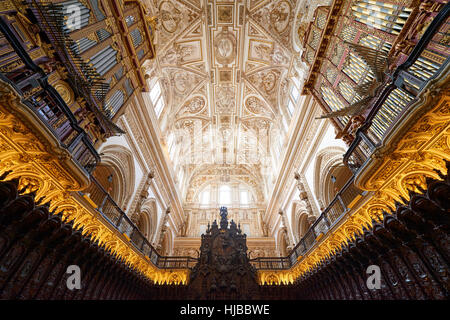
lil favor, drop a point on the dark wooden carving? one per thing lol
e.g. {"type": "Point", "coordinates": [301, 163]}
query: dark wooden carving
{"type": "Point", "coordinates": [37, 246]}
{"type": "Point", "coordinates": [410, 245]}
{"type": "Point", "coordinates": [224, 270]}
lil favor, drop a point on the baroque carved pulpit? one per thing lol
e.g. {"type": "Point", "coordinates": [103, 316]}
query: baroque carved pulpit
{"type": "Point", "coordinates": [223, 270]}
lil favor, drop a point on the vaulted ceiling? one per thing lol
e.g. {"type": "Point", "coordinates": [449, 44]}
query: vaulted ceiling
{"type": "Point", "coordinates": [225, 70]}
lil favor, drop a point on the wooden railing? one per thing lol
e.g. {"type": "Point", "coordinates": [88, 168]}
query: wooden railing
{"type": "Point", "coordinates": [333, 213]}
{"type": "Point", "coordinates": [109, 209]}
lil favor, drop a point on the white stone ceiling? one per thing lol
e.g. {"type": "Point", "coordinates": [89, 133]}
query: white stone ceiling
{"type": "Point", "coordinates": [224, 68]}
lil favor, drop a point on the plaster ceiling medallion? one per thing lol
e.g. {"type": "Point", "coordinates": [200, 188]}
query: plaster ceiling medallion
{"type": "Point", "coordinates": [225, 99]}
{"type": "Point", "coordinates": [280, 16]}
{"type": "Point", "coordinates": [265, 80]}
{"type": "Point", "coordinates": [193, 106]}
{"type": "Point", "coordinates": [225, 47]}
{"type": "Point", "coordinates": [269, 81]}
{"type": "Point", "coordinates": [275, 18]}
{"type": "Point", "coordinates": [260, 51]}
{"type": "Point", "coordinates": [180, 81]}
{"type": "Point", "coordinates": [186, 52]}
{"type": "Point", "coordinates": [256, 106]}
{"type": "Point", "coordinates": [170, 16]}
{"type": "Point", "coordinates": [278, 57]}
{"type": "Point", "coordinates": [186, 125]}
{"type": "Point", "coordinates": [173, 19]}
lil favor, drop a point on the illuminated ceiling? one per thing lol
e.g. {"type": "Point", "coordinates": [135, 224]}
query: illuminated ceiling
{"type": "Point", "coordinates": [226, 69]}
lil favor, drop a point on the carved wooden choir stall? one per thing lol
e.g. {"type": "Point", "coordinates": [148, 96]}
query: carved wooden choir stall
{"type": "Point", "coordinates": [410, 245]}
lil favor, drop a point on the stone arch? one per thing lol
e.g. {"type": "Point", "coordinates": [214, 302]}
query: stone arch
{"type": "Point", "coordinates": [329, 164]}
{"type": "Point", "coordinates": [301, 219]}
{"type": "Point", "coordinates": [147, 219]}
{"type": "Point", "coordinates": [282, 242]}
{"type": "Point", "coordinates": [167, 243]}
{"type": "Point", "coordinates": [115, 174]}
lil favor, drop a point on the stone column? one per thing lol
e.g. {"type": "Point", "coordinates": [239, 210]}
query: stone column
{"type": "Point", "coordinates": [140, 197]}
{"type": "Point", "coordinates": [286, 225]}
{"type": "Point", "coordinates": [263, 226]}
{"type": "Point", "coordinates": [306, 195]}
{"type": "Point", "coordinates": [162, 228]}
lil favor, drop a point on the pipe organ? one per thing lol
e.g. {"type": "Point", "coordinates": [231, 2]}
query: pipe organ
{"type": "Point", "coordinates": [94, 60]}
{"type": "Point", "coordinates": [391, 28]}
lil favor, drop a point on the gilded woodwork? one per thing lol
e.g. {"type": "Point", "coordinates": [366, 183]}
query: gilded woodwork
{"type": "Point", "coordinates": [420, 153]}
{"type": "Point", "coordinates": [41, 169]}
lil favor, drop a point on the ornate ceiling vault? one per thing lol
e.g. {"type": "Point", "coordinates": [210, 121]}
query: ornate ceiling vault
{"type": "Point", "coordinates": [224, 67]}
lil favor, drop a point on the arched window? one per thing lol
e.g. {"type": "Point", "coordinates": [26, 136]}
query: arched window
{"type": "Point", "coordinates": [244, 198]}
{"type": "Point", "coordinates": [205, 197]}
{"type": "Point", "coordinates": [157, 99]}
{"type": "Point", "coordinates": [225, 195]}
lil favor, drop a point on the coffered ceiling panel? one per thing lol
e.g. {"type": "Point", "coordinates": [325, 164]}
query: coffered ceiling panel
{"type": "Point", "coordinates": [226, 63]}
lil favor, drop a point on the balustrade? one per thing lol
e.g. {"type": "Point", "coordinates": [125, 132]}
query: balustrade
{"type": "Point", "coordinates": [121, 222]}
{"type": "Point", "coordinates": [331, 215]}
